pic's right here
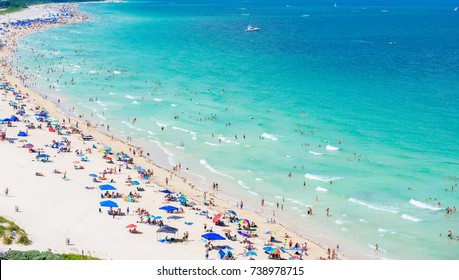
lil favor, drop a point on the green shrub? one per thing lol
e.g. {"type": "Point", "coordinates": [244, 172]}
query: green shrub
{"type": "Point", "coordinates": [23, 239]}
{"type": "Point", "coordinates": [7, 240]}
{"type": "Point", "coordinates": [37, 255]}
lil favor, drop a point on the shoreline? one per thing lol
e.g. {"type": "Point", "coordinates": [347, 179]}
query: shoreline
{"type": "Point", "coordinates": [195, 193]}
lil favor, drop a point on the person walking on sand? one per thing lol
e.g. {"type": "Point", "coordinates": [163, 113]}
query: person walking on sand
{"type": "Point", "coordinates": [6, 191]}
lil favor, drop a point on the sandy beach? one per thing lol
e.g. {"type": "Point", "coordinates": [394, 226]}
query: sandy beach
{"type": "Point", "coordinates": [63, 204]}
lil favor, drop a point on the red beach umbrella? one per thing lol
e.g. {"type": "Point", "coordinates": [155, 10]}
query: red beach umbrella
{"type": "Point", "coordinates": [216, 218]}
{"type": "Point", "coordinates": [131, 226]}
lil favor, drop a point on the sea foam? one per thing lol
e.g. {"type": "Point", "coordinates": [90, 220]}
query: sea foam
{"type": "Point", "coordinates": [320, 178]}
{"type": "Point", "coordinates": [374, 207]}
{"type": "Point", "coordinates": [269, 136]}
{"type": "Point", "coordinates": [410, 218]}
{"type": "Point", "coordinates": [213, 170]}
{"type": "Point", "coordinates": [331, 148]}
{"type": "Point", "coordinates": [423, 205]}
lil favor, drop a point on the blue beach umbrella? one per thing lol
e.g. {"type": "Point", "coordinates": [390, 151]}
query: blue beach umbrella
{"type": "Point", "coordinates": [168, 208]}
{"type": "Point", "coordinates": [108, 203]}
{"type": "Point", "coordinates": [213, 236]}
{"type": "Point", "coordinates": [107, 188]}
{"type": "Point", "coordinates": [93, 175]}
{"type": "Point", "coordinates": [223, 253]}
{"type": "Point", "coordinates": [107, 148]}
{"type": "Point", "coordinates": [268, 249]}
{"type": "Point", "coordinates": [22, 134]}
{"type": "Point", "coordinates": [135, 183]}
{"type": "Point", "coordinates": [182, 199]}
{"type": "Point", "coordinates": [232, 212]}
{"type": "Point", "coordinates": [42, 156]}
{"type": "Point", "coordinates": [166, 191]}
{"type": "Point", "coordinates": [251, 253]}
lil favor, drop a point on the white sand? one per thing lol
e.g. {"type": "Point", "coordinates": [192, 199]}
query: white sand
{"type": "Point", "coordinates": [53, 209]}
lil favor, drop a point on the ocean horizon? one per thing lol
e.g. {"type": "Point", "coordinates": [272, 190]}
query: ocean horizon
{"type": "Point", "coordinates": [351, 107]}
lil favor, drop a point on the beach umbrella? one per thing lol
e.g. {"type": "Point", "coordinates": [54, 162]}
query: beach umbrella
{"type": "Point", "coordinates": [22, 134]}
{"type": "Point", "coordinates": [135, 183]}
{"type": "Point", "coordinates": [22, 141]}
{"type": "Point", "coordinates": [223, 252]}
{"type": "Point", "coordinates": [14, 118]}
{"type": "Point", "coordinates": [108, 203]}
{"type": "Point", "coordinates": [270, 232]}
{"type": "Point", "coordinates": [232, 212]}
{"type": "Point", "coordinates": [107, 188]}
{"type": "Point", "coordinates": [28, 146]}
{"type": "Point", "coordinates": [126, 156]}
{"type": "Point", "coordinates": [175, 217]}
{"type": "Point", "coordinates": [243, 222]}
{"type": "Point", "coordinates": [251, 253]}
{"type": "Point", "coordinates": [107, 148]}
{"type": "Point", "coordinates": [107, 158]}
{"type": "Point", "coordinates": [182, 199]}
{"type": "Point", "coordinates": [277, 251]}
{"type": "Point", "coordinates": [168, 208]}
{"type": "Point", "coordinates": [131, 226]}
{"type": "Point", "coordinates": [93, 175]}
{"type": "Point", "coordinates": [213, 236]}
{"type": "Point", "coordinates": [217, 218]}
{"type": "Point", "coordinates": [166, 191]}
{"type": "Point", "coordinates": [6, 120]}
{"type": "Point", "coordinates": [226, 230]}
{"type": "Point", "coordinates": [42, 156]}
{"type": "Point", "coordinates": [268, 249]}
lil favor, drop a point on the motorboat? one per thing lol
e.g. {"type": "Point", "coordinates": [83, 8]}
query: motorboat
{"type": "Point", "coordinates": [251, 28]}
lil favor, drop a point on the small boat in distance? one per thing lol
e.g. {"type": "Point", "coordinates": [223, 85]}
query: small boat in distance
{"type": "Point", "coordinates": [251, 28]}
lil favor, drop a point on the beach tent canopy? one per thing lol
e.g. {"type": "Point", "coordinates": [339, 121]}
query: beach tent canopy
{"type": "Point", "coordinates": [167, 229]}
{"type": "Point", "coordinates": [168, 208]}
{"type": "Point", "coordinates": [213, 236]}
{"type": "Point", "coordinates": [107, 188]}
{"type": "Point", "coordinates": [108, 203]}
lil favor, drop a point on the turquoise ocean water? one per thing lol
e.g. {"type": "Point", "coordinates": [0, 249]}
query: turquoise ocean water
{"type": "Point", "coordinates": [364, 94]}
